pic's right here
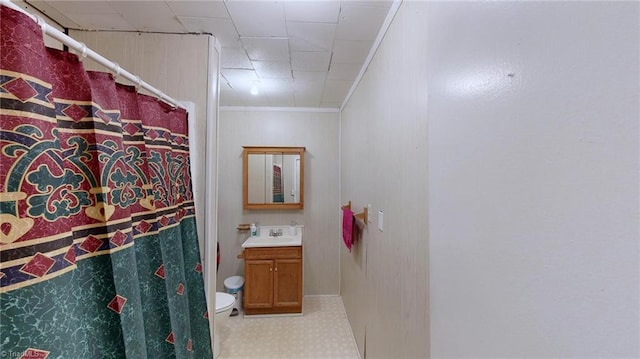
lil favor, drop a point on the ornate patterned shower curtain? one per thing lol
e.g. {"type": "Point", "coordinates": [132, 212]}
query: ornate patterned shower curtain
{"type": "Point", "coordinates": [98, 246]}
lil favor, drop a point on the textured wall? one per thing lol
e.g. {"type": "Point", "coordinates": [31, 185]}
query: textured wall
{"type": "Point", "coordinates": [318, 132]}
{"type": "Point", "coordinates": [533, 179]}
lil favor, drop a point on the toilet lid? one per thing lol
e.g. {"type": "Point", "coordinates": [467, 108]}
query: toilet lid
{"type": "Point", "coordinates": [234, 282]}
{"type": "Point", "coordinates": [224, 301]}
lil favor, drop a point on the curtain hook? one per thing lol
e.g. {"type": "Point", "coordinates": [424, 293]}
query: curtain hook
{"type": "Point", "coordinates": [138, 83]}
{"type": "Point", "coordinates": [43, 24]}
{"type": "Point", "coordinates": [84, 49]}
{"type": "Point", "coordinates": [167, 100]}
{"type": "Point", "coordinates": [117, 69]}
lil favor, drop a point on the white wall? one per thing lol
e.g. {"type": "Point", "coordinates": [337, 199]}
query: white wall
{"type": "Point", "coordinates": [318, 132]}
{"type": "Point", "coordinates": [517, 123]}
{"type": "Point", "coordinates": [533, 179]}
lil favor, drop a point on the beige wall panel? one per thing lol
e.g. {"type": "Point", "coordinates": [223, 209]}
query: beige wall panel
{"type": "Point", "coordinates": [532, 183]}
{"type": "Point", "coordinates": [384, 280]}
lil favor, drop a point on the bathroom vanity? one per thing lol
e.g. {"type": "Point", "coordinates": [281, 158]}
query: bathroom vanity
{"type": "Point", "coordinates": [273, 272]}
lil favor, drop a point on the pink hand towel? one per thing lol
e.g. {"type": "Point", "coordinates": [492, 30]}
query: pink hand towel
{"type": "Point", "coordinates": [347, 227]}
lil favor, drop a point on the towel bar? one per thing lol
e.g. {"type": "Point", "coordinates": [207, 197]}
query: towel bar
{"type": "Point", "coordinates": [362, 215]}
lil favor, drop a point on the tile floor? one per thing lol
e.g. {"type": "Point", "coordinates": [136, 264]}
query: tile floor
{"type": "Point", "coordinates": [323, 332]}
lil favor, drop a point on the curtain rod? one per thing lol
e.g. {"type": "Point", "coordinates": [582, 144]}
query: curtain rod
{"type": "Point", "coordinates": [86, 52]}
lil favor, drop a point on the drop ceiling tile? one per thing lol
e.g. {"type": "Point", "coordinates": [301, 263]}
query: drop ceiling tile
{"type": "Point", "coordinates": [253, 100]}
{"type": "Point", "coordinates": [350, 52]}
{"type": "Point", "coordinates": [224, 85]}
{"type": "Point", "coordinates": [311, 89]}
{"type": "Point", "coordinates": [308, 87]}
{"type": "Point", "coordinates": [258, 18]}
{"type": "Point", "coordinates": [335, 90]}
{"type": "Point", "coordinates": [280, 98]}
{"type": "Point", "coordinates": [343, 71]}
{"type": "Point", "coordinates": [370, 3]}
{"type": "Point", "coordinates": [281, 85]}
{"type": "Point", "coordinates": [307, 11]}
{"type": "Point", "coordinates": [222, 29]}
{"type": "Point", "coordinates": [308, 99]}
{"type": "Point", "coordinates": [272, 70]}
{"type": "Point", "coordinates": [230, 99]}
{"type": "Point", "coordinates": [49, 9]}
{"type": "Point", "coordinates": [310, 61]}
{"type": "Point", "coordinates": [103, 22]}
{"type": "Point", "coordinates": [158, 17]}
{"type": "Point", "coordinates": [78, 7]}
{"type": "Point", "coordinates": [317, 76]}
{"type": "Point", "coordinates": [235, 102]}
{"type": "Point", "coordinates": [209, 9]}
{"type": "Point", "coordinates": [234, 58]}
{"type": "Point", "coordinates": [330, 104]}
{"type": "Point", "coordinates": [306, 36]}
{"type": "Point", "coordinates": [240, 80]}
{"type": "Point", "coordinates": [360, 22]}
{"type": "Point", "coordinates": [307, 103]}
{"type": "Point", "coordinates": [265, 49]}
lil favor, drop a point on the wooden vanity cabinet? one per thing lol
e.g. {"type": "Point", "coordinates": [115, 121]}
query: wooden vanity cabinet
{"type": "Point", "coordinates": [273, 280]}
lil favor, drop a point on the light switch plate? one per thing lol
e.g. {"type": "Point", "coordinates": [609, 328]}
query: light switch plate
{"type": "Point", "coordinates": [381, 221]}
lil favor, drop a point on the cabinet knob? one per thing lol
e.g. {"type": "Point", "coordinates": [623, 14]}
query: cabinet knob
{"type": "Point", "coordinates": [276, 269]}
{"type": "Point", "coordinates": [270, 269]}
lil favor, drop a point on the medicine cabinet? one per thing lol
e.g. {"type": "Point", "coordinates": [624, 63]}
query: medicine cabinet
{"type": "Point", "coordinates": [273, 177]}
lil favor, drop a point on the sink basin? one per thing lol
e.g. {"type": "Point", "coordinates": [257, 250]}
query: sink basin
{"type": "Point", "coordinates": [264, 240]}
{"type": "Point", "coordinates": [284, 241]}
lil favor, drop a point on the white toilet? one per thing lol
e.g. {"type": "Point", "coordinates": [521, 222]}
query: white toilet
{"type": "Point", "coordinates": [224, 305]}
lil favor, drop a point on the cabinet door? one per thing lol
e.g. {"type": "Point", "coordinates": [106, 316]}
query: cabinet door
{"type": "Point", "coordinates": [258, 287]}
{"type": "Point", "coordinates": [288, 282]}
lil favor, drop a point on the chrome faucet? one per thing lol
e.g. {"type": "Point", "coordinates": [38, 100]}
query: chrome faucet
{"type": "Point", "coordinates": [275, 233]}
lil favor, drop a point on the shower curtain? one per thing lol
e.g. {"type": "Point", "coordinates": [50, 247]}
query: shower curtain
{"type": "Point", "coordinates": [98, 248]}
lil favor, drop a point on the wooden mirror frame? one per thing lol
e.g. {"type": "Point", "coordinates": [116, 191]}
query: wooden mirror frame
{"type": "Point", "coordinates": [247, 150]}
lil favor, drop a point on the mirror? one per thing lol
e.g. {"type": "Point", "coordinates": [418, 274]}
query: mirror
{"type": "Point", "coordinates": [273, 177]}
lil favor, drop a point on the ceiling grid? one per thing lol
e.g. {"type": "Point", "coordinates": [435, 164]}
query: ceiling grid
{"type": "Point", "coordinates": [274, 53]}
